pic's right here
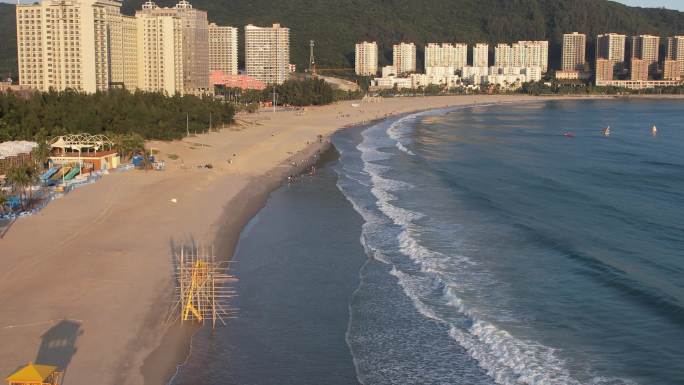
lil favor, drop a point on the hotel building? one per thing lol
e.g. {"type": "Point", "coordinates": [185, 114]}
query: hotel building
{"type": "Point", "coordinates": [404, 57]}
{"type": "Point", "coordinates": [123, 50]}
{"type": "Point", "coordinates": [223, 49]}
{"type": "Point", "coordinates": [446, 55]}
{"type": "Point", "coordinates": [481, 55]}
{"type": "Point", "coordinates": [647, 48]}
{"type": "Point", "coordinates": [675, 51]}
{"type": "Point", "coordinates": [523, 54]}
{"type": "Point", "coordinates": [671, 70]}
{"type": "Point", "coordinates": [611, 46]}
{"type": "Point", "coordinates": [267, 53]}
{"type": "Point", "coordinates": [366, 59]}
{"type": "Point", "coordinates": [605, 69]}
{"type": "Point", "coordinates": [195, 38]}
{"type": "Point", "coordinates": [639, 69]}
{"type": "Point", "coordinates": [574, 51]}
{"type": "Point", "coordinates": [160, 51]}
{"type": "Point", "coordinates": [64, 44]}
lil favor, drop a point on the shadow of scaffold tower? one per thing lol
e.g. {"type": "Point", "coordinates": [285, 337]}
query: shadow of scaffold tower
{"type": "Point", "coordinates": [203, 287]}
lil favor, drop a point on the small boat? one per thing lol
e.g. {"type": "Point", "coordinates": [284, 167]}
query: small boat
{"type": "Point", "coordinates": [654, 130]}
{"type": "Point", "coordinates": [568, 135]}
{"type": "Point", "coordinates": [606, 132]}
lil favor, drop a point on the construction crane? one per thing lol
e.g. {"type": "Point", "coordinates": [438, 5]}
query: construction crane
{"type": "Point", "coordinates": [312, 59]}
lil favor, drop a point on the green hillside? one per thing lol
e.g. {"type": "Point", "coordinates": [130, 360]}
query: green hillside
{"type": "Point", "coordinates": [337, 24]}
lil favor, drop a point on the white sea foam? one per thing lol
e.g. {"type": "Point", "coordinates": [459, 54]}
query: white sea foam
{"type": "Point", "coordinates": [507, 359]}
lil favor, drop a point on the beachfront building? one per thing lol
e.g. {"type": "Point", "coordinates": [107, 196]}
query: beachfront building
{"type": "Point", "coordinates": [87, 152]}
{"type": "Point", "coordinates": [675, 51]}
{"type": "Point", "coordinates": [160, 54]}
{"type": "Point", "coordinates": [404, 57]}
{"type": "Point", "coordinates": [243, 82]}
{"type": "Point", "coordinates": [523, 54]}
{"type": "Point", "coordinates": [504, 77]}
{"type": "Point", "coordinates": [122, 43]}
{"type": "Point", "coordinates": [639, 69]}
{"type": "Point", "coordinates": [611, 46]}
{"type": "Point", "coordinates": [605, 70]}
{"type": "Point", "coordinates": [481, 55]}
{"type": "Point", "coordinates": [267, 53]}
{"type": "Point", "coordinates": [64, 44]}
{"type": "Point", "coordinates": [574, 51]}
{"type": "Point", "coordinates": [195, 49]}
{"type": "Point", "coordinates": [446, 55]}
{"type": "Point", "coordinates": [223, 49]}
{"type": "Point", "coordinates": [366, 59]}
{"type": "Point", "coordinates": [647, 48]}
{"type": "Point", "coordinates": [671, 70]}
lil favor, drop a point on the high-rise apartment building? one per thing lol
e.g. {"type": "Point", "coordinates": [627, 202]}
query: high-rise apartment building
{"type": "Point", "coordinates": [639, 69]}
{"type": "Point", "coordinates": [223, 49]}
{"type": "Point", "coordinates": [160, 50]}
{"type": "Point", "coordinates": [675, 51]}
{"type": "Point", "coordinates": [523, 54]}
{"type": "Point", "coordinates": [446, 55]}
{"type": "Point", "coordinates": [267, 53]}
{"type": "Point", "coordinates": [195, 48]}
{"type": "Point", "coordinates": [123, 50]}
{"type": "Point", "coordinates": [481, 55]}
{"type": "Point", "coordinates": [647, 48]}
{"type": "Point", "coordinates": [671, 70]}
{"type": "Point", "coordinates": [503, 55]}
{"type": "Point", "coordinates": [611, 46]}
{"type": "Point", "coordinates": [64, 44]}
{"type": "Point", "coordinates": [574, 51]}
{"type": "Point", "coordinates": [605, 69]}
{"type": "Point", "coordinates": [404, 57]}
{"type": "Point", "coordinates": [366, 59]}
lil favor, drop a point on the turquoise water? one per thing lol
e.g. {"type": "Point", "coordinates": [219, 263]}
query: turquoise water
{"type": "Point", "coordinates": [475, 246]}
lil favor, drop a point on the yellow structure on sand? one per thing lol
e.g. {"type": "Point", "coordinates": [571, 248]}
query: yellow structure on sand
{"type": "Point", "coordinates": [33, 374]}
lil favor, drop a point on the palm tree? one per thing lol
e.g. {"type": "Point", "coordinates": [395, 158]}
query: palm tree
{"type": "Point", "coordinates": [22, 177]}
{"type": "Point", "coordinates": [3, 201]}
{"type": "Point", "coordinates": [41, 153]}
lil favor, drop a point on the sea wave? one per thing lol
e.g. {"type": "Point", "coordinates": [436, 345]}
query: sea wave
{"type": "Point", "coordinates": [507, 359]}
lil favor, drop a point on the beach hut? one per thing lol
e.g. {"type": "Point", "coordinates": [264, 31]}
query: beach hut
{"type": "Point", "coordinates": [33, 374]}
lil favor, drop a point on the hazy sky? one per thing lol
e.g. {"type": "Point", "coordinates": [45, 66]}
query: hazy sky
{"type": "Point", "coordinates": [672, 4]}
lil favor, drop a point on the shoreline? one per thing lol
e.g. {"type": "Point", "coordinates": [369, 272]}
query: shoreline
{"type": "Point", "coordinates": [119, 279]}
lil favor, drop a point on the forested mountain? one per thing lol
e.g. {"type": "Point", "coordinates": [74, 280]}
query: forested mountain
{"type": "Point", "coordinates": [337, 24]}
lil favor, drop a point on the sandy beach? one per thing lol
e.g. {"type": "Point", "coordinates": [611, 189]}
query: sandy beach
{"type": "Point", "coordinates": [87, 282]}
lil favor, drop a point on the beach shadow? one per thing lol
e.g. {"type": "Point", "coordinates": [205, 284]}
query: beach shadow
{"type": "Point", "coordinates": [58, 344]}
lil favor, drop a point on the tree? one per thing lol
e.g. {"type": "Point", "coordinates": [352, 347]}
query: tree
{"type": "Point", "coordinates": [22, 178]}
{"type": "Point", "coordinates": [41, 153]}
{"type": "Point", "coordinates": [3, 200]}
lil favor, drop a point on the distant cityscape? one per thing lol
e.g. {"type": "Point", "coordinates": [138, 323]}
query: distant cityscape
{"type": "Point", "coordinates": [90, 46]}
{"type": "Point", "coordinates": [447, 64]}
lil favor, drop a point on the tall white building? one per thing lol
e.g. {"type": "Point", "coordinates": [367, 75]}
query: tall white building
{"type": "Point", "coordinates": [122, 42]}
{"type": "Point", "coordinates": [574, 51]}
{"type": "Point", "coordinates": [64, 44]}
{"type": "Point", "coordinates": [267, 53]}
{"type": "Point", "coordinates": [481, 55]}
{"type": "Point", "coordinates": [675, 51]}
{"type": "Point", "coordinates": [647, 48]}
{"type": "Point", "coordinates": [446, 55]}
{"type": "Point", "coordinates": [610, 46]}
{"type": "Point", "coordinates": [223, 49]}
{"type": "Point", "coordinates": [404, 57]}
{"type": "Point", "coordinates": [366, 59]}
{"type": "Point", "coordinates": [531, 54]}
{"type": "Point", "coordinates": [160, 51]}
{"type": "Point", "coordinates": [503, 55]}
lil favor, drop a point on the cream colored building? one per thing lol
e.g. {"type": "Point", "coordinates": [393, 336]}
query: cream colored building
{"type": "Point", "coordinates": [267, 53]}
{"type": "Point", "coordinates": [223, 49]}
{"type": "Point", "coordinates": [481, 55]}
{"type": "Point", "coordinates": [675, 51]}
{"type": "Point", "coordinates": [195, 49]}
{"type": "Point", "coordinates": [611, 46]}
{"type": "Point", "coordinates": [404, 57]}
{"type": "Point", "coordinates": [123, 50]}
{"type": "Point", "coordinates": [523, 54]}
{"type": "Point", "coordinates": [366, 59]}
{"type": "Point", "coordinates": [160, 50]}
{"type": "Point", "coordinates": [574, 51]}
{"type": "Point", "coordinates": [647, 48]}
{"type": "Point", "coordinates": [446, 55]}
{"type": "Point", "coordinates": [64, 44]}
{"type": "Point", "coordinates": [605, 69]}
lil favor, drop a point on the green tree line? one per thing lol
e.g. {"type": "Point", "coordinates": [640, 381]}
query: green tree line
{"type": "Point", "coordinates": [293, 92]}
{"type": "Point", "coordinates": [115, 113]}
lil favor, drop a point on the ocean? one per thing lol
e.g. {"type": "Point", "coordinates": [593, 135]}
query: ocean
{"type": "Point", "coordinates": [500, 244]}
